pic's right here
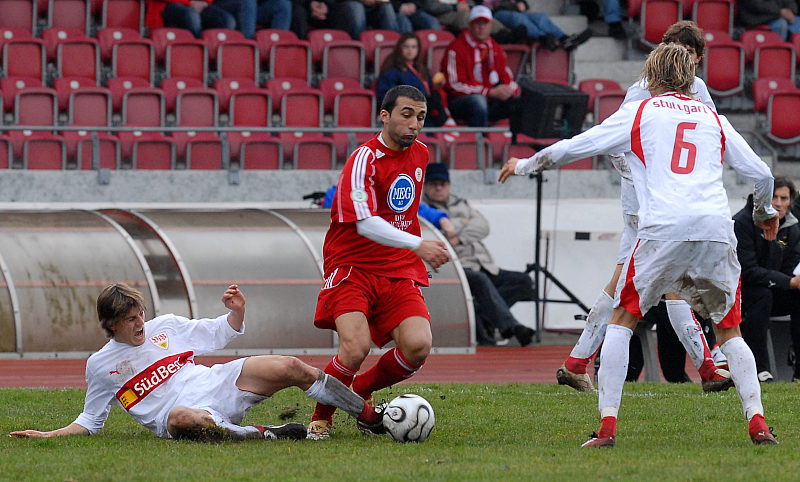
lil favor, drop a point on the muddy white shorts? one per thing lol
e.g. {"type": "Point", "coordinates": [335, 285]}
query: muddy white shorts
{"type": "Point", "coordinates": [704, 273]}
{"type": "Point", "coordinates": [630, 220]}
{"type": "Point", "coordinates": [214, 390]}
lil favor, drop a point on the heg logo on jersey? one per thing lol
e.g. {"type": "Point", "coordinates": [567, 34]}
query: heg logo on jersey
{"type": "Point", "coordinates": [161, 340]}
{"type": "Point", "coordinates": [151, 378]}
{"type": "Point", "coordinates": [401, 193]}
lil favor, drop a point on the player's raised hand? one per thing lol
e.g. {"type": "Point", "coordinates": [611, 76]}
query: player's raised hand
{"type": "Point", "coordinates": [233, 299]}
{"type": "Point", "coordinates": [508, 169]}
{"type": "Point", "coordinates": [770, 228]}
{"type": "Point", "coordinates": [434, 252]}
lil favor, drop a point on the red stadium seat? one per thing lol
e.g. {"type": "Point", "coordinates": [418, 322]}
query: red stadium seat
{"type": "Point", "coordinates": [123, 13]}
{"type": "Point", "coordinates": [520, 150]}
{"type": "Point", "coordinates": [656, 17]}
{"type": "Point", "coordinates": [108, 37]}
{"type": "Point", "coordinates": [108, 150]}
{"type": "Point", "coordinates": [90, 106]}
{"type": "Point", "coordinates": [196, 108]}
{"type": "Point", "coordinates": [551, 66]}
{"type": "Point", "coordinates": [429, 37]}
{"type": "Point", "coordinates": [227, 87]}
{"type": "Point", "coordinates": [436, 147]}
{"type": "Point", "coordinates": [434, 55]}
{"type": "Point", "coordinates": [133, 58]}
{"type": "Point", "coordinates": [724, 68]}
{"type": "Point", "coordinates": [606, 103]}
{"type": "Point", "coordinates": [349, 103]}
{"type": "Point", "coordinates": [166, 36]}
{"type": "Point", "coordinates": [39, 150]}
{"type": "Point", "coordinates": [24, 58]}
{"type": "Point", "coordinates": [266, 38]}
{"type": "Point", "coordinates": [343, 59]}
{"type": "Point", "coordinates": [784, 124]}
{"type": "Point", "coordinates": [713, 14]}
{"type": "Point", "coordinates": [773, 61]}
{"type": "Point", "coordinates": [200, 150]}
{"type": "Point", "coordinates": [174, 86]}
{"type": "Point", "coordinates": [372, 41]}
{"type": "Point", "coordinates": [464, 153]}
{"type": "Point", "coordinates": [187, 60]}
{"type": "Point", "coordinates": [250, 107]}
{"type": "Point", "coordinates": [764, 88]}
{"type": "Point", "coordinates": [712, 36]}
{"type": "Point", "coordinates": [120, 85]}
{"type": "Point", "coordinates": [592, 87]}
{"type": "Point", "coordinates": [214, 37]}
{"type": "Point", "coordinates": [64, 87]}
{"type": "Point", "coordinates": [261, 152]}
{"type": "Point", "coordinates": [516, 54]}
{"type": "Point", "coordinates": [319, 38]}
{"type": "Point", "coordinates": [143, 106]}
{"type": "Point", "coordinates": [238, 58]}
{"type": "Point", "coordinates": [75, 14]}
{"type": "Point", "coordinates": [291, 59]}
{"type": "Point", "coordinates": [310, 151]}
{"type": "Point", "coordinates": [381, 52]}
{"type": "Point", "coordinates": [753, 39]}
{"type": "Point", "coordinates": [10, 86]}
{"type": "Point", "coordinates": [19, 14]}
{"type": "Point", "coordinates": [36, 106]}
{"type": "Point", "coordinates": [78, 58]}
{"type": "Point", "coordinates": [148, 150]}
{"type": "Point", "coordinates": [300, 105]}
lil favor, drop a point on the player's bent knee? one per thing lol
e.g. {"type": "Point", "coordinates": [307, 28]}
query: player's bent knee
{"type": "Point", "coordinates": [183, 422]}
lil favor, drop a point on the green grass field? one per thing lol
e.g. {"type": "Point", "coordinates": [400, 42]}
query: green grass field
{"type": "Point", "coordinates": [483, 432]}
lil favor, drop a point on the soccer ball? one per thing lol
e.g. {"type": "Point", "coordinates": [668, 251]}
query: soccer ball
{"type": "Point", "coordinates": [409, 418]}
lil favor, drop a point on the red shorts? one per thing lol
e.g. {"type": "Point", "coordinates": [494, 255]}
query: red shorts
{"type": "Point", "coordinates": [386, 302]}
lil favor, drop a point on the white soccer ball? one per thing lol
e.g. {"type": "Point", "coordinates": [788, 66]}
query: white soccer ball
{"type": "Point", "coordinates": [409, 418]}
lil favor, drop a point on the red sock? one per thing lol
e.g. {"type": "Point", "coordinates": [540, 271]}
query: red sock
{"type": "Point", "coordinates": [577, 365]}
{"type": "Point", "coordinates": [707, 369]}
{"type": "Point", "coordinates": [391, 368]}
{"type": "Point", "coordinates": [339, 371]}
{"type": "Point", "coordinates": [369, 415]}
{"type": "Point", "coordinates": [608, 426]}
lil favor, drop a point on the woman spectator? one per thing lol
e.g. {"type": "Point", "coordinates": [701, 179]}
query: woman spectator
{"type": "Point", "coordinates": [404, 66]}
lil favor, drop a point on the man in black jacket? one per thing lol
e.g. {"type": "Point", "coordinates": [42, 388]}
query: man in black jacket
{"type": "Point", "coordinates": [770, 274]}
{"type": "Point", "coordinates": [780, 15]}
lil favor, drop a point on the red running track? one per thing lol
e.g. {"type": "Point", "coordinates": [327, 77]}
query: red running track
{"type": "Point", "coordinates": [491, 365]}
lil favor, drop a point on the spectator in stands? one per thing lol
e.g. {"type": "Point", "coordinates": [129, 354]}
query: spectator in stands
{"type": "Point", "coordinates": [196, 15]}
{"type": "Point", "coordinates": [538, 26]}
{"type": "Point", "coordinates": [404, 66]}
{"type": "Point", "coordinates": [780, 15]}
{"type": "Point", "coordinates": [355, 15]}
{"type": "Point", "coordinates": [494, 290]}
{"type": "Point", "coordinates": [313, 13]}
{"type": "Point", "coordinates": [612, 14]}
{"type": "Point", "coordinates": [411, 16]}
{"type": "Point", "coordinates": [454, 15]}
{"type": "Point", "coordinates": [274, 14]}
{"type": "Point", "coordinates": [770, 274]}
{"type": "Point", "coordinates": [479, 84]}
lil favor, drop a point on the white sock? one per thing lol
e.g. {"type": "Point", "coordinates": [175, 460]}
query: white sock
{"type": "Point", "coordinates": [238, 432]}
{"type": "Point", "coordinates": [595, 330]}
{"type": "Point", "coordinates": [689, 332]}
{"type": "Point", "coordinates": [613, 368]}
{"type": "Point", "coordinates": [742, 366]}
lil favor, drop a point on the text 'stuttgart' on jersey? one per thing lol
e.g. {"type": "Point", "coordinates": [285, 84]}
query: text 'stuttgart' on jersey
{"type": "Point", "coordinates": [147, 380]}
{"type": "Point", "coordinates": [377, 181]}
{"type": "Point", "coordinates": [678, 146]}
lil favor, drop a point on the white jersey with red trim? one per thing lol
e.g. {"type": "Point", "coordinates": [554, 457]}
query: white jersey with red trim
{"type": "Point", "coordinates": [147, 380]}
{"type": "Point", "coordinates": [377, 181]}
{"type": "Point", "coordinates": [678, 146]}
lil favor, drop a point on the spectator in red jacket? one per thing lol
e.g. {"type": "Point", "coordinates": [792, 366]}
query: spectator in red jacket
{"type": "Point", "coordinates": [479, 84]}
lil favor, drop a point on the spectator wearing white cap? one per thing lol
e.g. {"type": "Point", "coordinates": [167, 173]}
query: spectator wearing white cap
{"type": "Point", "coordinates": [479, 84]}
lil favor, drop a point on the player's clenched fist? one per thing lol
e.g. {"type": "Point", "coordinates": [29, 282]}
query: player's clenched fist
{"type": "Point", "coordinates": [233, 299]}
{"type": "Point", "coordinates": [433, 252]}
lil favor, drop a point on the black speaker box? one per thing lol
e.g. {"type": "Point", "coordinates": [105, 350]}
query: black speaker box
{"type": "Point", "coordinates": [549, 110]}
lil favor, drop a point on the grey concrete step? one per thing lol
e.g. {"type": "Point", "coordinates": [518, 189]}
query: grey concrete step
{"type": "Point", "coordinates": [625, 72]}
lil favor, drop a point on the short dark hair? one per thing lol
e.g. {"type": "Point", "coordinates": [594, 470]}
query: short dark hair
{"type": "Point", "coordinates": [390, 99]}
{"type": "Point", "coordinates": [786, 182]}
{"type": "Point", "coordinates": [115, 302]}
{"type": "Point", "coordinates": [688, 34]}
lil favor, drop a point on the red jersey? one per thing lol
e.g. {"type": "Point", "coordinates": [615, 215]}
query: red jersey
{"type": "Point", "coordinates": [377, 181]}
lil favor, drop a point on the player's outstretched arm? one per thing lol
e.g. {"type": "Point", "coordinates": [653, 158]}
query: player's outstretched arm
{"type": "Point", "coordinates": [71, 429]}
{"type": "Point", "coordinates": [233, 299]}
{"type": "Point", "coordinates": [433, 252]}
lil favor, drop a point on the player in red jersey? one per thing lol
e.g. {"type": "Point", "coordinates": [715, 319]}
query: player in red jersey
{"type": "Point", "coordinates": [374, 257]}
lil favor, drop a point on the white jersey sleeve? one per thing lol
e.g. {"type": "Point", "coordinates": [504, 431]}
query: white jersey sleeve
{"type": "Point", "coordinates": [747, 163]}
{"type": "Point", "coordinates": [613, 135]}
